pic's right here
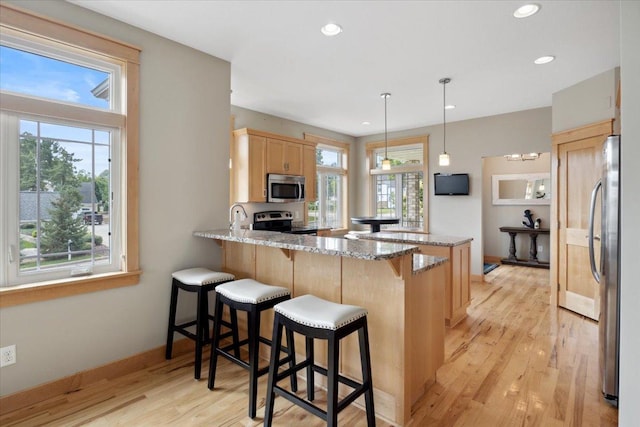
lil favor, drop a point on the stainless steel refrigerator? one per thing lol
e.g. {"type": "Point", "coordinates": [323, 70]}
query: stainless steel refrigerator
{"type": "Point", "coordinates": [607, 274]}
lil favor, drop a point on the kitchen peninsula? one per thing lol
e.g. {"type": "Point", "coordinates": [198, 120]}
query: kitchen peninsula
{"type": "Point", "coordinates": [402, 290]}
{"type": "Point", "coordinates": [458, 270]}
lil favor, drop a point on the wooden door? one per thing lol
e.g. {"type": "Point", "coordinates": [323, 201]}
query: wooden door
{"type": "Point", "coordinates": [257, 174]}
{"type": "Point", "coordinates": [579, 168]}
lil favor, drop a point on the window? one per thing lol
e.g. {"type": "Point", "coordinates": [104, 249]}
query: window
{"type": "Point", "coordinates": [399, 193]}
{"type": "Point", "coordinates": [329, 210]}
{"type": "Point", "coordinates": [68, 143]}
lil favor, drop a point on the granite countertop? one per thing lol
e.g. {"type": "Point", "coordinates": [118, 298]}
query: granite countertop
{"type": "Point", "coordinates": [426, 262]}
{"type": "Point", "coordinates": [416, 238]}
{"type": "Point", "coordinates": [362, 249]}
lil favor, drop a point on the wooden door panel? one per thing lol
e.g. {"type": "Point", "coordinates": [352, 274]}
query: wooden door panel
{"type": "Point", "coordinates": [580, 167]}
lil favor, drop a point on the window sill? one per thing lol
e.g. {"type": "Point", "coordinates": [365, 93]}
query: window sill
{"type": "Point", "coordinates": [42, 291]}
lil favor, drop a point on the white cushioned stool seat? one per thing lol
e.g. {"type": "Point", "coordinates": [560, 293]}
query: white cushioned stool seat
{"type": "Point", "coordinates": [312, 311]}
{"type": "Point", "coordinates": [251, 291]}
{"type": "Point", "coordinates": [201, 276]}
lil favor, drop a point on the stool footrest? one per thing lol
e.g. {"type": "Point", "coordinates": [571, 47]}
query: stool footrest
{"type": "Point", "coordinates": [300, 402]}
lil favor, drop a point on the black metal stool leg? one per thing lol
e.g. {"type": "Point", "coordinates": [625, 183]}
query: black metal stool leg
{"type": "Point", "coordinates": [273, 370]}
{"type": "Point", "coordinates": [172, 319]}
{"type": "Point", "coordinates": [254, 350]}
{"type": "Point", "coordinates": [311, 393]}
{"type": "Point", "coordinates": [365, 361]}
{"type": "Point", "coordinates": [213, 360]}
{"type": "Point", "coordinates": [292, 362]}
{"type": "Point", "coordinates": [332, 382]}
{"type": "Point", "coordinates": [233, 315]}
{"type": "Point", "coordinates": [199, 334]}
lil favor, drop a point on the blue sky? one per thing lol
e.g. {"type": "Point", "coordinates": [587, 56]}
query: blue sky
{"type": "Point", "coordinates": [31, 74]}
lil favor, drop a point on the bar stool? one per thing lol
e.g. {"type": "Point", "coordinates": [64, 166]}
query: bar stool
{"type": "Point", "coordinates": [200, 281]}
{"type": "Point", "coordinates": [252, 297]}
{"type": "Point", "coordinates": [316, 318]}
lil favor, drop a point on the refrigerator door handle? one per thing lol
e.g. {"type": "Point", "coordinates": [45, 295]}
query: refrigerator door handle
{"type": "Point", "coordinates": [592, 258]}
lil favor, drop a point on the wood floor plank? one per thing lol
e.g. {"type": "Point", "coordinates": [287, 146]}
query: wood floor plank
{"type": "Point", "coordinates": [514, 361]}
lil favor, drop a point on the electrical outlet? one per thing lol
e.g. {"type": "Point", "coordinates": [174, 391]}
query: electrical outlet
{"type": "Point", "coordinates": [540, 248]}
{"type": "Point", "coordinates": [7, 355]}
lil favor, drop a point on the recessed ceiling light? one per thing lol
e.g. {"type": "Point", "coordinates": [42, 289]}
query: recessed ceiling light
{"type": "Point", "coordinates": [526, 10]}
{"type": "Point", "coordinates": [365, 123]}
{"type": "Point", "coordinates": [449, 107]}
{"type": "Point", "coordinates": [544, 59]}
{"type": "Point", "coordinates": [331, 29]}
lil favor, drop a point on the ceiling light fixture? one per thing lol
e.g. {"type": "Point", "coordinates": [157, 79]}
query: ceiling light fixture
{"type": "Point", "coordinates": [449, 107]}
{"type": "Point", "coordinates": [366, 123]}
{"type": "Point", "coordinates": [522, 157]}
{"type": "Point", "coordinates": [526, 10]}
{"type": "Point", "coordinates": [444, 158]}
{"type": "Point", "coordinates": [386, 163]}
{"type": "Point", "coordinates": [544, 59]}
{"type": "Point", "coordinates": [331, 29]}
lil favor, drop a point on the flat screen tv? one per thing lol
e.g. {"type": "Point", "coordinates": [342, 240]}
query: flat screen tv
{"type": "Point", "coordinates": [451, 184]}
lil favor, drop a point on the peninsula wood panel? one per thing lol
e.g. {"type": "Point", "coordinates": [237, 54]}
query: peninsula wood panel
{"type": "Point", "coordinates": [373, 285]}
{"type": "Point", "coordinates": [457, 279]}
{"type": "Point", "coordinates": [317, 275]}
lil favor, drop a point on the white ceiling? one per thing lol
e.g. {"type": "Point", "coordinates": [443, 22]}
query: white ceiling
{"type": "Point", "coordinates": [282, 65]}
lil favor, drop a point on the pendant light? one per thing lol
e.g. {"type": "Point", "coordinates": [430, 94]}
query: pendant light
{"type": "Point", "coordinates": [386, 163]}
{"type": "Point", "coordinates": [444, 158]}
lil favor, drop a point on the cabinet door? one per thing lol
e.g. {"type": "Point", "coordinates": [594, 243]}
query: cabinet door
{"type": "Point", "coordinates": [293, 158]}
{"type": "Point", "coordinates": [309, 163]}
{"type": "Point", "coordinates": [275, 156]}
{"type": "Point", "coordinates": [257, 174]}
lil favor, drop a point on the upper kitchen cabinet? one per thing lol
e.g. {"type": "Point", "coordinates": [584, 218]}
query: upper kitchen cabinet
{"type": "Point", "coordinates": [248, 176]}
{"type": "Point", "coordinates": [284, 157]}
{"type": "Point", "coordinates": [254, 154]}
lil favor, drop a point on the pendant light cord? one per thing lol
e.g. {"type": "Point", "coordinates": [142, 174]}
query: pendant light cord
{"type": "Point", "coordinates": [385, 126]}
{"type": "Point", "coordinates": [444, 114]}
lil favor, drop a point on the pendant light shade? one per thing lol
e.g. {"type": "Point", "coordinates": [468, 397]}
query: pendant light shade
{"type": "Point", "coordinates": [444, 159]}
{"type": "Point", "coordinates": [386, 163]}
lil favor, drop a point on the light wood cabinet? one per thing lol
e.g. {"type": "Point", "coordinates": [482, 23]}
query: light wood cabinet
{"type": "Point", "coordinates": [248, 173]}
{"type": "Point", "coordinates": [254, 154]}
{"type": "Point", "coordinates": [284, 157]}
{"type": "Point", "coordinates": [457, 279]}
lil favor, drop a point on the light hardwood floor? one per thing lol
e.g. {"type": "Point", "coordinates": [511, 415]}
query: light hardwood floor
{"type": "Point", "coordinates": [514, 361]}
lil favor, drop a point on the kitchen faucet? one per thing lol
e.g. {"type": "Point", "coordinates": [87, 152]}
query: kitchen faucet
{"type": "Point", "coordinates": [234, 223]}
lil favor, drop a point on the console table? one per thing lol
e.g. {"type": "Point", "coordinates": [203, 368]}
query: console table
{"type": "Point", "coordinates": [533, 248]}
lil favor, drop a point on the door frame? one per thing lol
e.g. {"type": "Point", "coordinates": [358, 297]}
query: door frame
{"type": "Point", "coordinates": [603, 128]}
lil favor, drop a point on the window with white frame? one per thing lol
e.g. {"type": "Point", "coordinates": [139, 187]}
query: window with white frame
{"type": "Point", "coordinates": [399, 193]}
{"type": "Point", "coordinates": [63, 148]}
{"type": "Point", "coordinates": [329, 210]}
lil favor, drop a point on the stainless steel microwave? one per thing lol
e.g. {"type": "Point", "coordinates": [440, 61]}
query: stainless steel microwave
{"type": "Point", "coordinates": [285, 188]}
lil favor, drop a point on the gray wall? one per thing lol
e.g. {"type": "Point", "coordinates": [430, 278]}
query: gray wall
{"type": "Point", "coordinates": [587, 102]}
{"type": "Point", "coordinates": [468, 142]}
{"type": "Point", "coordinates": [496, 243]}
{"type": "Point", "coordinates": [629, 413]}
{"type": "Point", "coordinates": [184, 151]}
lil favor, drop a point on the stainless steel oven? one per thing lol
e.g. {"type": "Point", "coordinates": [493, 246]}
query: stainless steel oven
{"type": "Point", "coordinates": [285, 188]}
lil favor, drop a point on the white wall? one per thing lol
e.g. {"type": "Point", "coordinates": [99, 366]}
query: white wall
{"type": "Point", "coordinates": [184, 147]}
{"type": "Point", "coordinates": [496, 243]}
{"type": "Point", "coordinates": [629, 413]}
{"type": "Point", "coordinates": [468, 142]}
